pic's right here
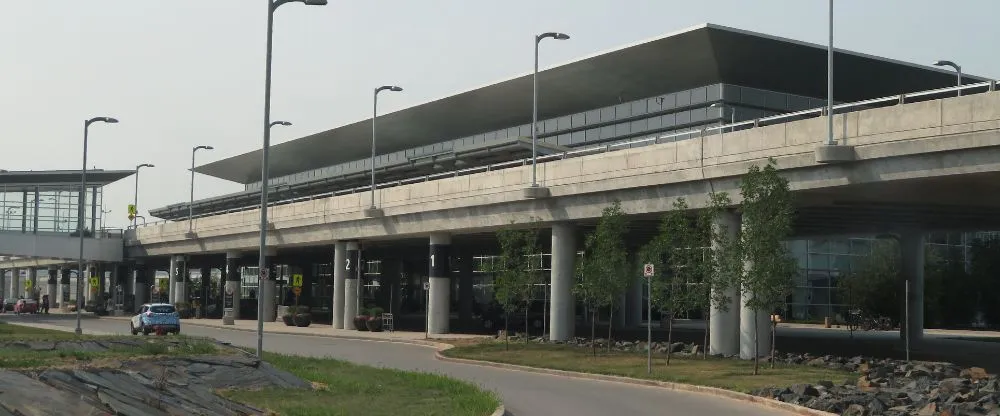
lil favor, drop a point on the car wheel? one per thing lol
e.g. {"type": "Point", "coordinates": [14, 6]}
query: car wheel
{"type": "Point", "coordinates": [131, 328]}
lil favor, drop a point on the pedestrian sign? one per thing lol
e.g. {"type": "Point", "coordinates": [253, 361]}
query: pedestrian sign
{"type": "Point", "coordinates": [132, 212]}
{"type": "Point", "coordinates": [93, 282]}
{"type": "Point", "coordinates": [427, 285]}
{"type": "Point", "coordinates": [296, 280]}
{"type": "Point", "coordinates": [27, 284]}
{"type": "Point", "coordinates": [263, 274]}
{"type": "Point", "coordinates": [647, 270]}
{"type": "Point", "coordinates": [297, 290]}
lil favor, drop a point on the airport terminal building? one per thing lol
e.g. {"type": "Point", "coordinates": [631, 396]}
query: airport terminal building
{"type": "Point", "coordinates": [668, 89]}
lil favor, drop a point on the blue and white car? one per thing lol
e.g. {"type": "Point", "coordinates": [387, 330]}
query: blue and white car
{"type": "Point", "coordinates": [156, 317]}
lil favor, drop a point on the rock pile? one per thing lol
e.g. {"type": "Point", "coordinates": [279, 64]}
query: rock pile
{"type": "Point", "coordinates": [893, 388]}
{"type": "Point", "coordinates": [155, 387]}
{"type": "Point", "coordinates": [877, 387]}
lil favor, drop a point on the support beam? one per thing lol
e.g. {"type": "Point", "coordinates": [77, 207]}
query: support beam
{"type": "Point", "coordinates": [351, 284]}
{"type": "Point", "coordinates": [231, 300]}
{"type": "Point", "coordinates": [724, 318]}
{"type": "Point", "coordinates": [439, 305]}
{"type": "Point", "coordinates": [339, 275]}
{"type": "Point", "coordinates": [562, 313]}
{"type": "Point", "coordinates": [140, 286]}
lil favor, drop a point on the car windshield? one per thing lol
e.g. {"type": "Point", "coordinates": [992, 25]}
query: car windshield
{"type": "Point", "coordinates": [161, 309]}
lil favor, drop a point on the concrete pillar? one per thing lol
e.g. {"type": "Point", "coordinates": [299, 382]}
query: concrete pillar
{"type": "Point", "coordinates": [140, 286]}
{"type": "Point", "coordinates": [178, 280]}
{"type": "Point", "coordinates": [90, 271]}
{"type": "Point", "coordinates": [562, 312]}
{"type": "Point", "coordinates": [724, 319]}
{"type": "Point", "coordinates": [351, 284]}
{"type": "Point", "coordinates": [52, 284]}
{"type": "Point", "coordinates": [634, 304]}
{"type": "Point", "coordinates": [172, 268]}
{"type": "Point", "coordinates": [466, 292]}
{"type": "Point", "coordinates": [439, 305]}
{"type": "Point", "coordinates": [912, 245]}
{"type": "Point", "coordinates": [15, 283]}
{"type": "Point", "coordinates": [753, 322]}
{"type": "Point", "coordinates": [3, 284]}
{"type": "Point", "coordinates": [63, 295]}
{"type": "Point", "coordinates": [231, 300]}
{"type": "Point", "coordinates": [339, 275]}
{"type": "Point", "coordinates": [267, 291]}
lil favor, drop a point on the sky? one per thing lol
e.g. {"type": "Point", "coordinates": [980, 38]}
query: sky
{"type": "Point", "coordinates": [183, 73]}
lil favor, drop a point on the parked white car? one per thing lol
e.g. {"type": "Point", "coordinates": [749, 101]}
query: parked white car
{"type": "Point", "coordinates": [156, 318]}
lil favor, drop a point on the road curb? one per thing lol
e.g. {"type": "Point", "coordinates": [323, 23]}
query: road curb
{"type": "Point", "coordinates": [501, 411]}
{"type": "Point", "coordinates": [713, 391]}
{"type": "Point", "coordinates": [420, 342]}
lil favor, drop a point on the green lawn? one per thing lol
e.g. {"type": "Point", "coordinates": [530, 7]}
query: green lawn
{"type": "Point", "coordinates": [342, 388]}
{"type": "Point", "coordinates": [350, 389]}
{"type": "Point", "coordinates": [715, 372]}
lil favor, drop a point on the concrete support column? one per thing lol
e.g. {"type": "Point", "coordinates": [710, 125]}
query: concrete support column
{"type": "Point", "coordinates": [753, 324]}
{"type": "Point", "coordinates": [562, 312]}
{"type": "Point", "coordinates": [724, 319]}
{"type": "Point", "coordinates": [339, 275]}
{"type": "Point", "coordinates": [439, 305]}
{"type": "Point", "coordinates": [52, 286]}
{"type": "Point", "coordinates": [89, 290]}
{"type": "Point", "coordinates": [15, 283]}
{"type": "Point", "coordinates": [123, 279]}
{"type": "Point", "coordinates": [171, 269]}
{"type": "Point", "coordinates": [3, 284]}
{"type": "Point", "coordinates": [31, 289]}
{"type": "Point", "coordinates": [351, 285]}
{"type": "Point", "coordinates": [466, 292]}
{"type": "Point", "coordinates": [178, 280]}
{"type": "Point", "coordinates": [267, 292]}
{"type": "Point", "coordinates": [912, 245]}
{"type": "Point", "coordinates": [231, 300]}
{"type": "Point", "coordinates": [63, 295]}
{"type": "Point", "coordinates": [140, 286]}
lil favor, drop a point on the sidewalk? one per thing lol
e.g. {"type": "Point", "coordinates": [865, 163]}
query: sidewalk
{"type": "Point", "coordinates": [318, 330]}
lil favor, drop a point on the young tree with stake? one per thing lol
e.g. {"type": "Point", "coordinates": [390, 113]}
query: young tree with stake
{"type": "Point", "coordinates": [515, 276]}
{"type": "Point", "coordinates": [604, 272]}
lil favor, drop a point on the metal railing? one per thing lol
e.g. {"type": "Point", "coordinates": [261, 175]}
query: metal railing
{"type": "Point", "coordinates": [981, 87]}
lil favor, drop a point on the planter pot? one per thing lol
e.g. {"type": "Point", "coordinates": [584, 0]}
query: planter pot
{"type": "Point", "coordinates": [360, 323]}
{"type": "Point", "coordinates": [374, 325]}
{"type": "Point", "coordinates": [287, 319]}
{"type": "Point", "coordinates": [284, 310]}
{"type": "Point", "coordinates": [302, 320]}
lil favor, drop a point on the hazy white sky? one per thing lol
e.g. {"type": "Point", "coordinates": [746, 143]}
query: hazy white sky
{"type": "Point", "coordinates": [180, 73]}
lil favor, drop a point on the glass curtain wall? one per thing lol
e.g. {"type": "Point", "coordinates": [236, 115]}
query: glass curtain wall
{"type": "Point", "coordinates": [45, 209]}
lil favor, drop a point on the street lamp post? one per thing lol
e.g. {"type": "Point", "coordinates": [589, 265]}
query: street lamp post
{"type": "Point", "coordinates": [191, 200]}
{"type": "Point", "coordinates": [829, 83]}
{"type": "Point", "coordinates": [135, 200]}
{"type": "Point", "coordinates": [80, 214]}
{"type": "Point", "coordinates": [373, 210]}
{"type": "Point", "coordinates": [534, 103]}
{"type": "Point", "coordinates": [958, 70]}
{"type": "Point", "coordinates": [732, 110]}
{"type": "Point", "coordinates": [272, 5]}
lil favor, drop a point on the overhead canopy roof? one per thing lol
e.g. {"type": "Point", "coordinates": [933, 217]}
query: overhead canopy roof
{"type": "Point", "coordinates": [698, 56]}
{"type": "Point", "coordinates": [17, 181]}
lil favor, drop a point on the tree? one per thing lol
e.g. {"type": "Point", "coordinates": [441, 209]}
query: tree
{"type": "Point", "coordinates": [873, 287]}
{"type": "Point", "coordinates": [677, 252]}
{"type": "Point", "coordinates": [515, 275]}
{"type": "Point", "coordinates": [768, 272]}
{"type": "Point", "coordinates": [604, 268]}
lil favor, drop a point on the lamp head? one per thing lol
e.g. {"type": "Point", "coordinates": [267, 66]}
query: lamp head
{"type": "Point", "coordinates": [281, 123]}
{"type": "Point", "coordinates": [145, 165]}
{"type": "Point", "coordinates": [553, 35]}
{"type": "Point", "coordinates": [203, 147]}
{"type": "Point", "coordinates": [315, 2]}
{"type": "Point", "coordinates": [946, 63]}
{"type": "Point", "coordinates": [395, 88]}
{"type": "Point", "coordinates": [110, 120]}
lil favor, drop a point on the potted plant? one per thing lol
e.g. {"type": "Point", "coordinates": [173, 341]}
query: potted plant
{"type": "Point", "coordinates": [302, 318]}
{"type": "Point", "coordinates": [374, 321]}
{"type": "Point", "coordinates": [360, 322]}
{"type": "Point", "coordinates": [287, 318]}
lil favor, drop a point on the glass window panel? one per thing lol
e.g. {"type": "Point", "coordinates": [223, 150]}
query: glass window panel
{"type": "Point", "coordinates": [730, 92]}
{"type": "Point", "coordinates": [699, 115]}
{"type": "Point", "coordinates": [623, 111]}
{"type": "Point", "coordinates": [579, 120]}
{"type": "Point", "coordinates": [524, 130]}
{"type": "Point", "coordinates": [593, 116]}
{"type": "Point", "coordinates": [797, 103]}
{"type": "Point", "coordinates": [654, 123]}
{"type": "Point", "coordinates": [550, 126]}
{"type": "Point", "coordinates": [607, 132]}
{"type": "Point", "coordinates": [638, 107]}
{"type": "Point", "coordinates": [511, 133]}
{"type": "Point", "coordinates": [564, 123]}
{"type": "Point", "coordinates": [819, 262]}
{"type": "Point", "coordinates": [565, 140]}
{"type": "Point", "coordinates": [669, 120]}
{"type": "Point", "coordinates": [623, 129]}
{"type": "Point", "coordinates": [639, 126]}
{"type": "Point", "coordinates": [682, 117]}
{"type": "Point", "coordinates": [683, 98]}
{"type": "Point", "coordinates": [607, 114]}
{"type": "Point", "coordinates": [594, 135]}
{"type": "Point", "coordinates": [699, 95]}
{"type": "Point", "coordinates": [752, 97]}
{"type": "Point", "coordinates": [775, 101]}
{"type": "Point", "coordinates": [713, 92]}
{"type": "Point", "coordinates": [491, 136]}
{"type": "Point", "coordinates": [669, 101]}
{"type": "Point", "coordinates": [579, 137]}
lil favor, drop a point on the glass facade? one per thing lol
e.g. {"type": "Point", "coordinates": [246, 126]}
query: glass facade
{"type": "Point", "coordinates": [674, 112]}
{"type": "Point", "coordinates": [49, 209]}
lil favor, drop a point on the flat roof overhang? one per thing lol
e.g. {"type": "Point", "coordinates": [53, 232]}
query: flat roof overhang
{"type": "Point", "coordinates": [702, 55]}
{"type": "Point", "coordinates": [20, 181]}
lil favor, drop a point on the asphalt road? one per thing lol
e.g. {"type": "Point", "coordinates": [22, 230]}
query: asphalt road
{"type": "Point", "coordinates": [523, 393]}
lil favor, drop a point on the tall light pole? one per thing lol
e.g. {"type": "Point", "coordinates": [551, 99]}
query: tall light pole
{"type": "Point", "coordinates": [958, 69]}
{"type": "Point", "coordinates": [534, 104]}
{"type": "Point", "coordinates": [80, 214]}
{"type": "Point", "coordinates": [191, 200]}
{"type": "Point", "coordinates": [392, 88]}
{"type": "Point", "coordinates": [272, 5]}
{"type": "Point", "coordinates": [135, 200]}
{"type": "Point", "coordinates": [829, 83]}
{"type": "Point", "coordinates": [722, 108]}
